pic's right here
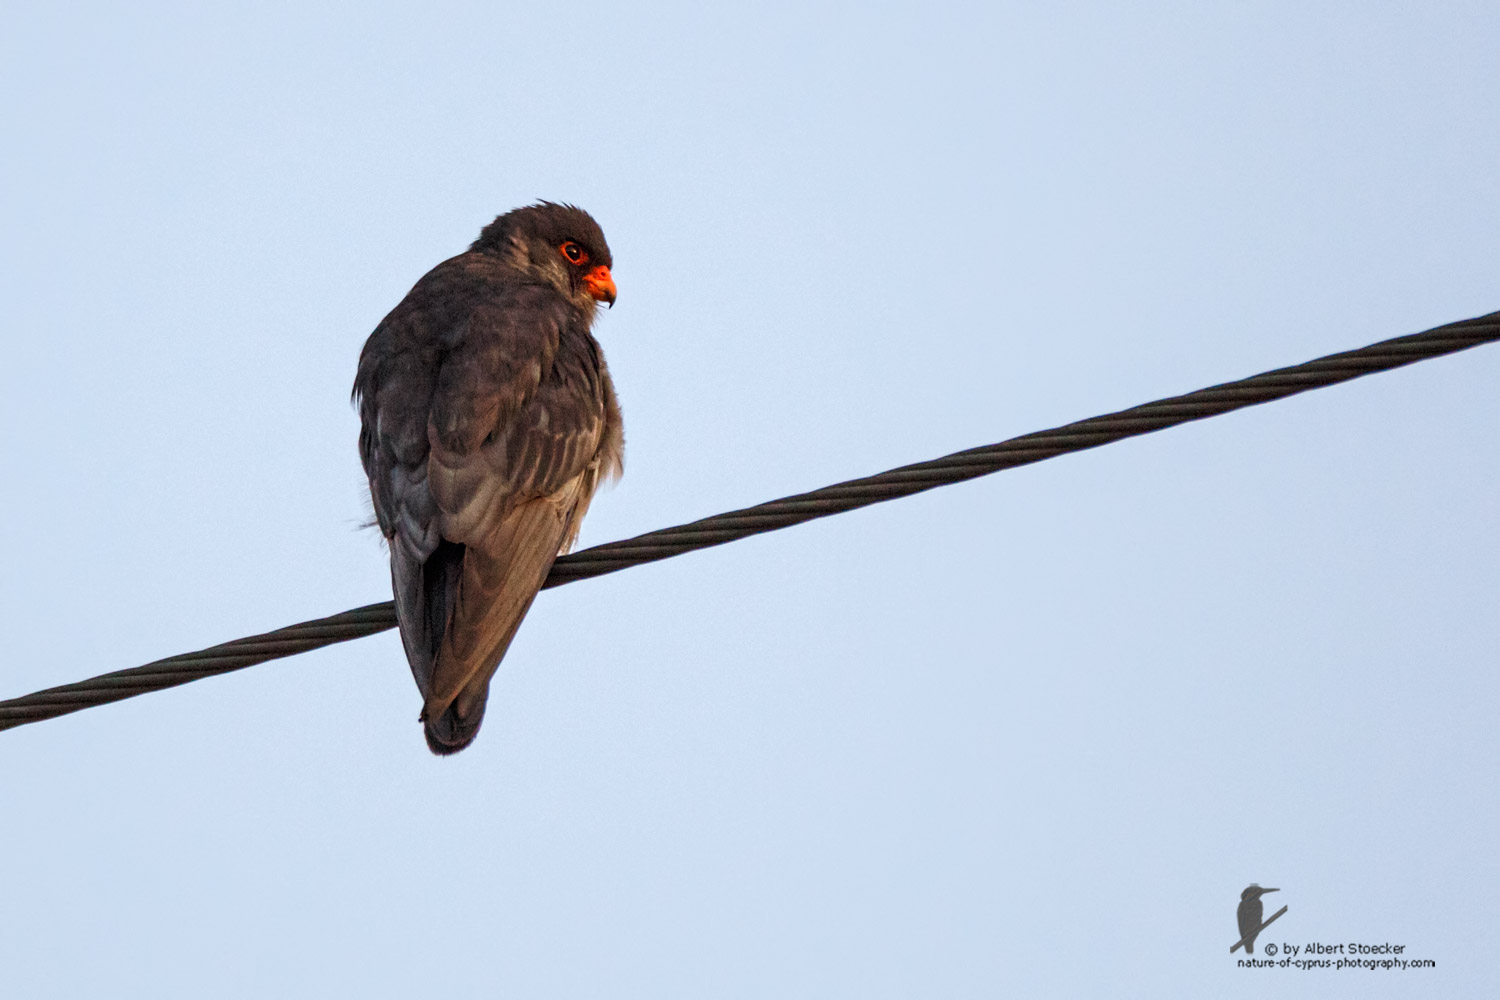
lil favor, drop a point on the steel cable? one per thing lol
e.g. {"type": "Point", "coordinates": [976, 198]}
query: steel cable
{"type": "Point", "coordinates": [783, 513]}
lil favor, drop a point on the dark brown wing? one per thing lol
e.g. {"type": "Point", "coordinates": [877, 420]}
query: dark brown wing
{"type": "Point", "coordinates": [514, 499]}
{"type": "Point", "coordinates": [488, 420]}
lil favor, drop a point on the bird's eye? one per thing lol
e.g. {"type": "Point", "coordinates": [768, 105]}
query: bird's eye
{"type": "Point", "coordinates": [573, 252]}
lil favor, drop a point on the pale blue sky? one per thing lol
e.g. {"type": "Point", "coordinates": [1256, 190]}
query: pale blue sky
{"type": "Point", "coordinates": [1026, 736]}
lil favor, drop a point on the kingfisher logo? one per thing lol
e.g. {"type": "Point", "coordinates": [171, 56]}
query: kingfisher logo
{"type": "Point", "coordinates": [1249, 914]}
{"type": "Point", "coordinates": [1336, 956]}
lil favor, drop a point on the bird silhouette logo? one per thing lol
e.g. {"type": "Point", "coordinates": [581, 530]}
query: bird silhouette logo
{"type": "Point", "coordinates": [1249, 914]}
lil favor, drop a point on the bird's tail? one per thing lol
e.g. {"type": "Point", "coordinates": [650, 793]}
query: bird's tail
{"type": "Point", "coordinates": [449, 732]}
{"type": "Point", "coordinates": [430, 590]}
{"type": "Point", "coordinates": [499, 579]}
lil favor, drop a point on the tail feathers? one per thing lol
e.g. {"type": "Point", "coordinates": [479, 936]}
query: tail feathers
{"type": "Point", "coordinates": [424, 588]}
{"type": "Point", "coordinates": [498, 579]}
{"type": "Point", "coordinates": [440, 578]}
{"type": "Point", "coordinates": [449, 733]}
{"type": "Point", "coordinates": [461, 606]}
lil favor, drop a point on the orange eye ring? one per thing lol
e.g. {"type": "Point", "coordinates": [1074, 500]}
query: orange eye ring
{"type": "Point", "coordinates": [573, 253]}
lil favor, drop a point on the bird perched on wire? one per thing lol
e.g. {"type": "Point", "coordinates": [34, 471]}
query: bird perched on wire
{"type": "Point", "coordinates": [488, 419]}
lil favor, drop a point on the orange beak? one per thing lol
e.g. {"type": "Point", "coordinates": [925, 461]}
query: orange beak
{"type": "Point", "coordinates": [600, 285]}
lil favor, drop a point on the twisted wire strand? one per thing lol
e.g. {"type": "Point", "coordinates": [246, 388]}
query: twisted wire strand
{"type": "Point", "coordinates": [719, 529]}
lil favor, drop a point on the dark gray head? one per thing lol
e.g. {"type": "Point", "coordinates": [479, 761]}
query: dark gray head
{"type": "Point", "coordinates": [1253, 891]}
{"type": "Point", "coordinates": [559, 244]}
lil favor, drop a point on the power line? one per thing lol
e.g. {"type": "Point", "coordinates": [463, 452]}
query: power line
{"type": "Point", "coordinates": [836, 499]}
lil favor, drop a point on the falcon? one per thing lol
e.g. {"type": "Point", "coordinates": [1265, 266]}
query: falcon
{"type": "Point", "coordinates": [488, 419]}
